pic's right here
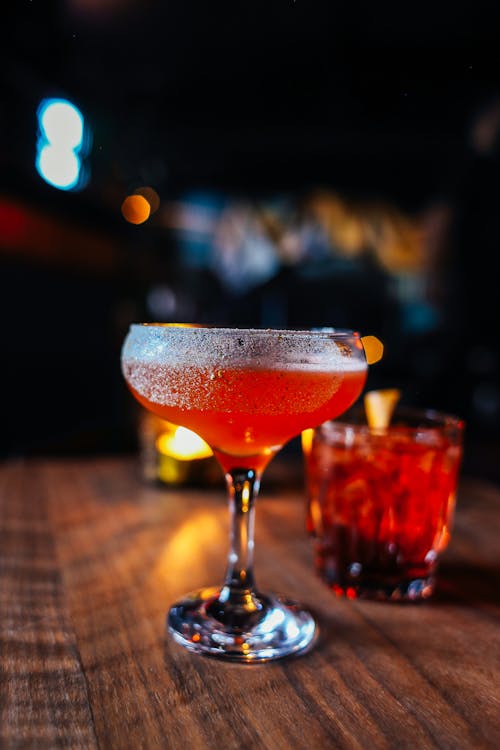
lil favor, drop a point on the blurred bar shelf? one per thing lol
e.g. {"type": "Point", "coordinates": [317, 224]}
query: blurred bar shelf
{"type": "Point", "coordinates": [91, 557]}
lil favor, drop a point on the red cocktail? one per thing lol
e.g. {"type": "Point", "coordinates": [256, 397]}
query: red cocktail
{"type": "Point", "coordinates": [246, 392]}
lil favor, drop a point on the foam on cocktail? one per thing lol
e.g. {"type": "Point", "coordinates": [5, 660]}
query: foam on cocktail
{"type": "Point", "coordinates": [233, 390]}
{"type": "Point", "coordinates": [196, 369]}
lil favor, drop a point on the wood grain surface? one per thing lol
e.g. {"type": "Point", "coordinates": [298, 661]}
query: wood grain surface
{"type": "Point", "coordinates": [91, 557]}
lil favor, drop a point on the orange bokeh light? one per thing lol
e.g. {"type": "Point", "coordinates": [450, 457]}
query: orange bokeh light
{"type": "Point", "coordinates": [136, 209]}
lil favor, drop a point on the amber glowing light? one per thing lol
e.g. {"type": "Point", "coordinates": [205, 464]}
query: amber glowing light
{"type": "Point", "coordinates": [136, 209]}
{"type": "Point", "coordinates": [183, 445]}
{"type": "Point", "coordinates": [306, 439]}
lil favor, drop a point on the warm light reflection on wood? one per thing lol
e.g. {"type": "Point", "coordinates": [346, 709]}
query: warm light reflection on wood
{"type": "Point", "coordinates": [185, 549]}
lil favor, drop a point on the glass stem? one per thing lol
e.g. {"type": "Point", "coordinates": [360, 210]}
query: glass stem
{"type": "Point", "coordinates": [243, 487]}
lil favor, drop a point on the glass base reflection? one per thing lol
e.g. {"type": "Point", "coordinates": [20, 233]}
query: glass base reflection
{"type": "Point", "coordinates": [268, 627]}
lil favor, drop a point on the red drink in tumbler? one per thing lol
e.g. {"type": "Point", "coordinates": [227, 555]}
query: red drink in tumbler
{"type": "Point", "coordinates": [382, 503]}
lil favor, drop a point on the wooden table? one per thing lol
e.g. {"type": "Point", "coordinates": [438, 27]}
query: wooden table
{"type": "Point", "coordinates": [91, 557]}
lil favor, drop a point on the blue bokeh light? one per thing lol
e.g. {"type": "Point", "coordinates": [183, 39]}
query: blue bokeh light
{"type": "Point", "coordinates": [62, 145]}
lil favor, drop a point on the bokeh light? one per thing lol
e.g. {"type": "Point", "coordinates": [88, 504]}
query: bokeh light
{"type": "Point", "coordinates": [136, 209]}
{"type": "Point", "coordinates": [62, 123]}
{"type": "Point", "coordinates": [62, 144]}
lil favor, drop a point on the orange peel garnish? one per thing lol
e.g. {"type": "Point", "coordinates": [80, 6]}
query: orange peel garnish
{"type": "Point", "coordinates": [380, 405]}
{"type": "Point", "coordinates": [374, 349]}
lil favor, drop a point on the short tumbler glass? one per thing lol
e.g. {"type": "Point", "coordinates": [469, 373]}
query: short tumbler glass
{"type": "Point", "coordinates": [381, 501]}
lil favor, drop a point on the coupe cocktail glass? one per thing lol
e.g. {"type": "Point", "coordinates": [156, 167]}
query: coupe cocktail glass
{"type": "Point", "coordinates": [247, 392]}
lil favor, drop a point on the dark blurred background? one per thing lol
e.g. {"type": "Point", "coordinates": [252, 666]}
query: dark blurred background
{"type": "Point", "coordinates": [266, 164]}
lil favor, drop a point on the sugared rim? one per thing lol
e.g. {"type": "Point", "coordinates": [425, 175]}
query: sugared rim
{"type": "Point", "coordinates": [325, 330]}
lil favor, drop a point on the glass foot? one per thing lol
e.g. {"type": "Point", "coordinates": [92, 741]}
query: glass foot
{"type": "Point", "coordinates": [271, 627]}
